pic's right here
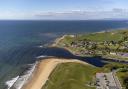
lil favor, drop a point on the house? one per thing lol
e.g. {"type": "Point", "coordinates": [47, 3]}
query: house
{"type": "Point", "coordinates": [113, 53]}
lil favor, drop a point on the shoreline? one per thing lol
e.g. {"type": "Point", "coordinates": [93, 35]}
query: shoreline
{"type": "Point", "coordinates": [55, 43]}
{"type": "Point", "coordinates": [43, 70]}
{"type": "Point", "coordinates": [57, 40]}
{"type": "Point", "coordinates": [44, 64]}
{"type": "Point", "coordinates": [20, 80]}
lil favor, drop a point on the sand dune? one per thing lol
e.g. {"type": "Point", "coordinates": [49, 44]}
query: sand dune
{"type": "Point", "coordinates": [43, 70]}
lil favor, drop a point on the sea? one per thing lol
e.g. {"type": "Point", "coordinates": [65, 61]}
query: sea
{"type": "Point", "coordinates": [22, 42]}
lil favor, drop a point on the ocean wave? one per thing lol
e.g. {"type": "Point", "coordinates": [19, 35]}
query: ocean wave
{"type": "Point", "coordinates": [42, 56]}
{"type": "Point", "coordinates": [19, 81]}
{"type": "Point", "coordinates": [11, 82]}
{"type": "Point", "coordinates": [40, 46]}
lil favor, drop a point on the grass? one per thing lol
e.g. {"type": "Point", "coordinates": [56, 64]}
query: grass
{"type": "Point", "coordinates": [77, 76]}
{"type": "Point", "coordinates": [71, 76]}
{"type": "Point", "coordinates": [96, 37]}
{"type": "Point", "coordinates": [99, 38]}
{"type": "Point", "coordinates": [105, 36]}
{"type": "Point", "coordinates": [121, 75]}
{"type": "Point", "coordinates": [67, 40]}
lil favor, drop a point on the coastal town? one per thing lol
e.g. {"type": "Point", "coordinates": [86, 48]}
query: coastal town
{"type": "Point", "coordinates": [115, 45]}
{"type": "Point", "coordinates": [112, 45]}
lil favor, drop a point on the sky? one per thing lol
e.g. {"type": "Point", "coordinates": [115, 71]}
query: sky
{"type": "Point", "coordinates": [63, 9]}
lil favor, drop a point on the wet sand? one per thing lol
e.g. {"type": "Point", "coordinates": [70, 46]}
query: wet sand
{"type": "Point", "coordinates": [43, 70]}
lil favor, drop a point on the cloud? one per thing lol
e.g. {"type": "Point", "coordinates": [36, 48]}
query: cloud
{"type": "Point", "coordinates": [117, 13]}
{"type": "Point", "coordinates": [84, 14]}
{"type": "Point", "coordinates": [73, 12]}
{"type": "Point", "coordinates": [11, 14]}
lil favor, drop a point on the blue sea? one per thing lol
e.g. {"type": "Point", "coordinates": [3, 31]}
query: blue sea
{"type": "Point", "coordinates": [20, 41]}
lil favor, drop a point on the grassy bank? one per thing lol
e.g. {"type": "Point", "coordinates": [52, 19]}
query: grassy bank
{"type": "Point", "coordinates": [72, 76]}
{"type": "Point", "coordinates": [80, 76]}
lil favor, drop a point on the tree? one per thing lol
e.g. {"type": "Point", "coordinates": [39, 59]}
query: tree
{"type": "Point", "coordinates": [125, 81]}
{"type": "Point", "coordinates": [94, 47]}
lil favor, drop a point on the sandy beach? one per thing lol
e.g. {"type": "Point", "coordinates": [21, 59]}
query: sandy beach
{"type": "Point", "coordinates": [58, 40]}
{"type": "Point", "coordinates": [43, 70]}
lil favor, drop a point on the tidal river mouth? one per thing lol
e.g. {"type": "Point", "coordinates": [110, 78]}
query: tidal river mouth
{"type": "Point", "coordinates": [45, 52]}
{"type": "Point", "coordinates": [21, 42]}
{"type": "Point", "coordinates": [38, 52]}
{"type": "Point", "coordinates": [60, 52]}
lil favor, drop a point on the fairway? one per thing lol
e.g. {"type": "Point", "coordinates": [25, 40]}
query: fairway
{"type": "Point", "coordinates": [71, 76]}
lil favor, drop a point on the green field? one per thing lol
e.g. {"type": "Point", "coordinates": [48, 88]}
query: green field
{"type": "Point", "coordinates": [72, 76]}
{"type": "Point", "coordinates": [105, 36]}
{"type": "Point", "coordinates": [97, 37]}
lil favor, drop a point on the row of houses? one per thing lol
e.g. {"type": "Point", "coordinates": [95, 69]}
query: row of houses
{"type": "Point", "coordinates": [82, 43]}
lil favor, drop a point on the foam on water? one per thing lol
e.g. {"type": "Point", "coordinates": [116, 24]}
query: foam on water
{"type": "Point", "coordinates": [19, 81]}
{"type": "Point", "coordinates": [11, 82]}
{"type": "Point", "coordinates": [42, 56]}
